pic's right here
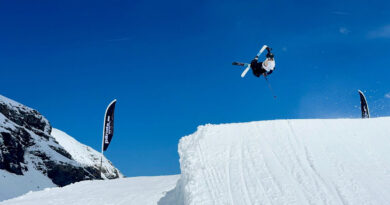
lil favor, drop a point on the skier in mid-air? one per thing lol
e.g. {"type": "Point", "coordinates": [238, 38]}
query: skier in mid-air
{"type": "Point", "coordinates": [260, 68]}
{"type": "Point", "coordinates": [263, 68]}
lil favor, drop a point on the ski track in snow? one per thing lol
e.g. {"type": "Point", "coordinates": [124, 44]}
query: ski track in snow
{"type": "Point", "coordinates": [333, 161]}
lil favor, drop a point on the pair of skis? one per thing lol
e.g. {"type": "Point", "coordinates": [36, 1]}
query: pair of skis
{"type": "Point", "coordinates": [248, 66]}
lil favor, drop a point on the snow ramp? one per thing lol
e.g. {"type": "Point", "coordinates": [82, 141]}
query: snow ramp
{"type": "Point", "coordinates": [333, 161]}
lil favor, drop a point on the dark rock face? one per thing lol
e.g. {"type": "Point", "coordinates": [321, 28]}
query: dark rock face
{"type": "Point", "coordinates": [12, 154]}
{"type": "Point", "coordinates": [25, 117]}
{"type": "Point", "coordinates": [25, 138]}
{"type": "Point", "coordinates": [63, 174]}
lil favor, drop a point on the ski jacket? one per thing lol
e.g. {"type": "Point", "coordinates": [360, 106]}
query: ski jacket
{"type": "Point", "coordinates": [269, 65]}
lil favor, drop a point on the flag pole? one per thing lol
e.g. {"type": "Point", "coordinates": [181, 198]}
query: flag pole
{"type": "Point", "coordinates": [104, 126]}
{"type": "Point", "coordinates": [101, 157]}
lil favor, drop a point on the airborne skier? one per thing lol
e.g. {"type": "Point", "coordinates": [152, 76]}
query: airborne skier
{"type": "Point", "coordinates": [260, 68]}
{"type": "Point", "coordinates": [263, 68]}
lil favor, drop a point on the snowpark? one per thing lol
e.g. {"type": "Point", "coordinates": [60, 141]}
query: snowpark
{"type": "Point", "coordinates": [175, 102]}
{"type": "Point", "coordinates": [307, 161]}
{"type": "Point", "coordinates": [340, 161]}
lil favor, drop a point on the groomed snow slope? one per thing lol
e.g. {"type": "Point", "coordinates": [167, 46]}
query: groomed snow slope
{"type": "Point", "coordinates": [342, 161]}
{"type": "Point", "coordinates": [126, 191]}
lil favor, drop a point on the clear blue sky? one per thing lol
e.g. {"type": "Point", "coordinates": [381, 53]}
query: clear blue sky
{"type": "Point", "coordinates": [169, 65]}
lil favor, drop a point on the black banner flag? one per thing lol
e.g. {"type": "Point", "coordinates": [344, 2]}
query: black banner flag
{"type": "Point", "coordinates": [364, 105]}
{"type": "Point", "coordinates": [108, 127]}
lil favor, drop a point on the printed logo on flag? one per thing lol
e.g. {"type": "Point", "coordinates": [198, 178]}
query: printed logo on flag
{"type": "Point", "coordinates": [108, 130]}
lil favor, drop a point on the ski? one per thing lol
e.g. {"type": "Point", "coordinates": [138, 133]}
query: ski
{"type": "Point", "coordinates": [240, 64]}
{"type": "Point", "coordinates": [245, 71]}
{"type": "Point", "coordinates": [261, 50]}
{"type": "Point", "coordinates": [249, 66]}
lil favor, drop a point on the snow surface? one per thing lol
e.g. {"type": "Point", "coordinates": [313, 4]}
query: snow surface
{"type": "Point", "coordinates": [12, 103]}
{"type": "Point", "coordinates": [126, 191]}
{"type": "Point", "coordinates": [81, 153]}
{"type": "Point", "coordinates": [334, 161]}
{"type": "Point", "coordinates": [342, 161]}
{"type": "Point", "coordinates": [12, 185]}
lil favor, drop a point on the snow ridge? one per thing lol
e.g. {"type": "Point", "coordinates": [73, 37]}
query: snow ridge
{"type": "Point", "coordinates": [83, 154]}
{"type": "Point", "coordinates": [342, 161]}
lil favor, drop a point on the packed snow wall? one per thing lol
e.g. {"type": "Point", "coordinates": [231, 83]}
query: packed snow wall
{"type": "Point", "coordinates": [335, 161]}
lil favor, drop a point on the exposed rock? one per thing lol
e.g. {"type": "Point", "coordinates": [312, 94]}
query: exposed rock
{"type": "Point", "coordinates": [25, 139]}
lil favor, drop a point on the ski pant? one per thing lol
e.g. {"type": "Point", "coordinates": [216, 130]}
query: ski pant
{"type": "Point", "coordinates": [257, 68]}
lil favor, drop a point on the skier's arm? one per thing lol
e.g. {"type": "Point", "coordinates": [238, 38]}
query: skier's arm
{"type": "Point", "coordinates": [269, 72]}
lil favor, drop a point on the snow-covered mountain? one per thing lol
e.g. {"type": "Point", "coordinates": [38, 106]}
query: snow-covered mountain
{"type": "Point", "coordinates": [333, 161]}
{"type": "Point", "coordinates": [33, 156]}
{"type": "Point", "coordinates": [85, 155]}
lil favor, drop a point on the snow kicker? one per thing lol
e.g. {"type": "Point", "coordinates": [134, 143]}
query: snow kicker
{"type": "Point", "coordinates": [334, 161]}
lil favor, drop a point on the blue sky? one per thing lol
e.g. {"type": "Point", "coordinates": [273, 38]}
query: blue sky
{"type": "Point", "coordinates": [169, 65]}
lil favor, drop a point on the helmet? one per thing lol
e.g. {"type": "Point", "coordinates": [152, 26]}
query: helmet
{"type": "Point", "coordinates": [270, 55]}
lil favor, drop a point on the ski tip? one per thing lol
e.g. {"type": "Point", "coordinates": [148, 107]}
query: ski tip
{"type": "Point", "coordinates": [237, 63]}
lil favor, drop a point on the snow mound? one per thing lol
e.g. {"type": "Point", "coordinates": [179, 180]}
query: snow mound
{"type": "Point", "coordinates": [126, 191]}
{"type": "Point", "coordinates": [342, 161]}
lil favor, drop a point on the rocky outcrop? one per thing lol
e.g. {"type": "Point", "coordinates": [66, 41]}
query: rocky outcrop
{"type": "Point", "coordinates": [25, 140]}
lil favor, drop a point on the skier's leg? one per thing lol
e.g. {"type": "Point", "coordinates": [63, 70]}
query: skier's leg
{"type": "Point", "coordinates": [255, 67]}
{"type": "Point", "coordinates": [262, 71]}
{"type": "Point", "coordinates": [253, 63]}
